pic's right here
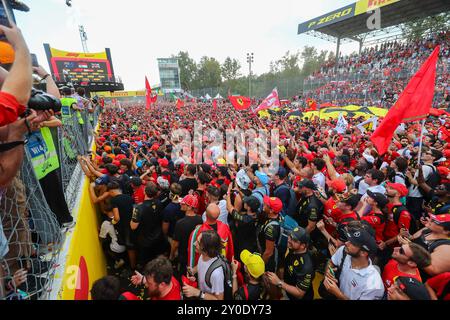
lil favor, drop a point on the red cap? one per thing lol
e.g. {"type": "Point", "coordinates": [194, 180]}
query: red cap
{"type": "Point", "coordinates": [447, 153]}
{"type": "Point", "coordinates": [116, 163]}
{"type": "Point", "coordinates": [274, 204]}
{"type": "Point", "coordinates": [155, 147]}
{"type": "Point", "coordinates": [190, 201]}
{"type": "Point", "coordinates": [398, 187]}
{"type": "Point", "coordinates": [331, 154]}
{"type": "Point", "coordinates": [441, 219]}
{"type": "Point", "coordinates": [338, 185]}
{"type": "Point", "coordinates": [120, 157]}
{"type": "Point", "coordinates": [308, 156]}
{"type": "Point", "coordinates": [164, 163]}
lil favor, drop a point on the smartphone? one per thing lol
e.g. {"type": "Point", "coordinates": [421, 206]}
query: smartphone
{"type": "Point", "coordinates": [6, 17]}
{"type": "Point", "coordinates": [331, 271]}
{"type": "Point", "coordinates": [34, 60]}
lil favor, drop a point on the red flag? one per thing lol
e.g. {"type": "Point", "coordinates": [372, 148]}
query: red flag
{"type": "Point", "coordinates": [215, 104]}
{"type": "Point", "coordinates": [154, 98]}
{"type": "Point", "coordinates": [413, 104]}
{"type": "Point", "coordinates": [312, 104]}
{"type": "Point", "coordinates": [148, 94]}
{"type": "Point", "coordinates": [180, 104]}
{"type": "Point", "coordinates": [272, 101]}
{"type": "Point", "coordinates": [240, 103]}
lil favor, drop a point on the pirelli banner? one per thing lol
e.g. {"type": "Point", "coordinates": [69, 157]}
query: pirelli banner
{"type": "Point", "coordinates": [347, 12]}
{"type": "Point", "coordinates": [119, 94]}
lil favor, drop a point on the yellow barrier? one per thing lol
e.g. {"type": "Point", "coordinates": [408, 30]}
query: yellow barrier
{"type": "Point", "coordinates": [85, 260]}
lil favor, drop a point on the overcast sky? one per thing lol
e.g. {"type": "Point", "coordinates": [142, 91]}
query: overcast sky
{"type": "Point", "coordinates": [139, 31]}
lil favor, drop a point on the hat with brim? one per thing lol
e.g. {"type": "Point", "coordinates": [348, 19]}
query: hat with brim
{"type": "Point", "coordinates": [254, 263]}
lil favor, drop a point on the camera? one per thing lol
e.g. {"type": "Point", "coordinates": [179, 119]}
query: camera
{"type": "Point", "coordinates": [41, 101]}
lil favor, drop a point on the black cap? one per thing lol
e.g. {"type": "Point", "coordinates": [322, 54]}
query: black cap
{"type": "Point", "coordinates": [253, 203]}
{"type": "Point", "coordinates": [307, 184]}
{"type": "Point", "coordinates": [362, 239]}
{"type": "Point", "coordinates": [136, 181]}
{"type": "Point", "coordinates": [300, 234]}
{"type": "Point", "coordinates": [413, 288]}
{"type": "Point", "coordinates": [379, 198]}
{"type": "Point", "coordinates": [282, 172]}
{"type": "Point", "coordinates": [351, 200]}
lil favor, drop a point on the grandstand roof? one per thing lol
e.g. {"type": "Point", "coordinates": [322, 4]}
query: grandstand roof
{"type": "Point", "coordinates": [351, 21]}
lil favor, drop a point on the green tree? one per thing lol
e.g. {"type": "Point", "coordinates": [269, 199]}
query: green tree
{"type": "Point", "coordinates": [209, 73]}
{"type": "Point", "coordinates": [312, 60]}
{"type": "Point", "coordinates": [230, 69]}
{"type": "Point", "coordinates": [188, 70]}
{"type": "Point", "coordinates": [420, 28]}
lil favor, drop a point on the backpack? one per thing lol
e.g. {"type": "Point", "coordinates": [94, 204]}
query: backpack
{"type": "Point", "coordinates": [287, 225]}
{"type": "Point", "coordinates": [433, 180]}
{"type": "Point", "coordinates": [262, 195]}
{"type": "Point", "coordinates": [292, 206]}
{"type": "Point", "coordinates": [357, 182]}
{"type": "Point", "coordinates": [402, 175]}
{"type": "Point", "coordinates": [437, 243]}
{"type": "Point", "coordinates": [397, 211]}
{"type": "Point", "coordinates": [221, 262]}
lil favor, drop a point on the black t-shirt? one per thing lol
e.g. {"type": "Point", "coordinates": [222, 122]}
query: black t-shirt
{"type": "Point", "coordinates": [183, 229]}
{"type": "Point", "coordinates": [299, 272]}
{"type": "Point", "coordinates": [244, 235]}
{"type": "Point", "coordinates": [171, 214]}
{"type": "Point", "coordinates": [270, 230]}
{"type": "Point", "coordinates": [123, 203]}
{"type": "Point", "coordinates": [149, 217]}
{"type": "Point", "coordinates": [254, 293]}
{"type": "Point", "coordinates": [164, 198]}
{"type": "Point", "coordinates": [309, 209]}
{"type": "Point", "coordinates": [187, 185]}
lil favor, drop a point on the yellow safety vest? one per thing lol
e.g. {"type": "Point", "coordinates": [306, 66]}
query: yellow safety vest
{"type": "Point", "coordinates": [66, 109]}
{"type": "Point", "coordinates": [43, 153]}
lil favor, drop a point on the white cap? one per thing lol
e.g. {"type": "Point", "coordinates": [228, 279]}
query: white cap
{"type": "Point", "coordinates": [368, 158]}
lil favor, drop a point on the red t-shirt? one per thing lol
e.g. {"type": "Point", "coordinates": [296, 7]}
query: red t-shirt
{"type": "Point", "coordinates": [438, 284]}
{"type": "Point", "coordinates": [388, 158]}
{"type": "Point", "coordinates": [391, 271]}
{"type": "Point", "coordinates": [331, 211]}
{"type": "Point", "coordinates": [10, 109]}
{"type": "Point", "coordinates": [139, 195]}
{"type": "Point", "coordinates": [346, 218]}
{"type": "Point", "coordinates": [174, 294]}
{"type": "Point", "coordinates": [392, 229]}
{"type": "Point", "coordinates": [377, 223]}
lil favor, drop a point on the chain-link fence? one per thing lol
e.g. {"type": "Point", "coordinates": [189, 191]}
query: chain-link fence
{"type": "Point", "coordinates": [33, 235]}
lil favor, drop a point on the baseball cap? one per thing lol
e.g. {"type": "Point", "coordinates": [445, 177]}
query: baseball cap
{"type": "Point", "coordinates": [400, 188]}
{"type": "Point", "coordinates": [190, 201]}
{"type": "Point", "coordinates": [307, 184]}
{"type": "Point", "coordinates": [282, 173]}
{"type": "Point", "coordinates": [242, 179]}
{"type": "Point", "coordinates": [164, 163]}
{"type": "Point", "coordinates": [338, 185]}
{"type": "Point", "coordinates": [163, 183]}
{"type": "Point", "coordinates": [252, 202]}
{"type": "Point", "coordinates": [264, 178]}
{"type": "Point", "coordinates": [368, 158]}
{"type": "Point", "coordinates": [274, 204]}
{"type": "Point", "coordinates": [413, 288]}
{"type": "Point", "coordinates": [299, 234]}
{"type": "Point", "coordinates": [102, 180]}
{"type": "Point", "coordinates": [254, 263]}
{"type": "Point", "coordinates": [136, 181]}
{"type": "Point", "coordinates": [363, 239]}
{"type": "Point", "coordinates": [379, 198]}
{"type": "Point", "coordinates": [351, 200]}
{"type": "Point", "coordinates": [441, 219]}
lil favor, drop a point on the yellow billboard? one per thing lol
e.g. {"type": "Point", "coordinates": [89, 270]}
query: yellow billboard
{"type": "Point", "coordinates": [78, 55]}
{"type": "Point", "coordinates": [119, 94]}
{"type": "Point", "coordinates": [364, 6]}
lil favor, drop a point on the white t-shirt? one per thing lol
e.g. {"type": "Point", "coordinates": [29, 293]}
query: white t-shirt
{"type": "Point", "coordinates": [414, 190]}
{"type": "Point", "coordinates": [319, 180]}
{"type": "Point", "coordinates": [223, 217]}
{"type": "Point", "coordinates": [107, 228]}
{"type": "Point", "coordinates": [376, 189]}
{"type": "Point", "coordinates": [358, 284]}
{"type": "Point", "coordinates": [217, 277]}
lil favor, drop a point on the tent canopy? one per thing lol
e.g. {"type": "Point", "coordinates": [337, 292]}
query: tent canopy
{"type": "Point", "coordinates": [218, 96]}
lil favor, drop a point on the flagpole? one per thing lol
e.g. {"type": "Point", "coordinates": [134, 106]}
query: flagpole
{"type": "Point", "coordinates": [421, 142]}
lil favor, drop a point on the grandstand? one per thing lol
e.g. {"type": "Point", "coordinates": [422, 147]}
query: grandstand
{"type": "Point", "coordinates": [381, 70]}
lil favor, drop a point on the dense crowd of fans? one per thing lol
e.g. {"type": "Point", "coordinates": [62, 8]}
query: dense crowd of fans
{"type": "Point", "coordinates": [379, 74]}
{"type": "Point", "coordinates": [335, 213]}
